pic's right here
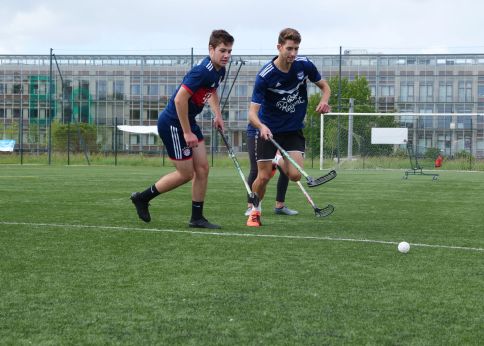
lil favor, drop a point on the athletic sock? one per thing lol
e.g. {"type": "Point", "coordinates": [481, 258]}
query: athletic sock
{"type": "Point", "coordinates": [150, 193]}
{"type": "Point", "coordinates": [197, 210]}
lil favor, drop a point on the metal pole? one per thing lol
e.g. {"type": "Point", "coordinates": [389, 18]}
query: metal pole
{"type": "Point", "coordinates": [115, 141]}
{"type": "Point", "coordinates": [62, 104]}
{"type": "Point", "coordinates": [69, 142]}
{"type": "Point", "coordinates": [20, 139]}
{"type": "Point", "coordinates": [49, 117]}
{"type": "Point", "coordinates": [350, 129]}
{"type": "Point", "coordinates": [339, 103]}
{"type": "Point", "coordinates": [311, 142]}
{"type": "Point", "coordinates": [192, 57]}
{"type": "Point", "coordinates": [321, 144]}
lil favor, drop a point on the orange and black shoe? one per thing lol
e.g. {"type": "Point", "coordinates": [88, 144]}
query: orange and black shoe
{"type": "Point", "coordinates": [254, 219]}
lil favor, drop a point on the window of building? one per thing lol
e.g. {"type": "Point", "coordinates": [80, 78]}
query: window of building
{"type": "Point", "coordinates": [480, 91]}
{"type": "Point", "coordinates": [151, 140]}
{"type": "Point", "coordinates": [426, 122]}
{"type": "Point", "coordinates": [119, 90]}
{"type": "Point", "coordinates": [17, 88]}
{"type": "Point", "coordinates": [134, 139]}
{"type": "Point", "coordinates": [445, 108]}
{"type": "Point", "coordinates": [387, 90]}
{"type": "Point", "coordinates": [426, 91]}
{"type": "Point", "coordinates": [407, 91]}
{"type": "Point", "coordinates": [465, 91]}
{"type": "Point", "coordinates": [101, 89]}
{"type": "Point", "coordinates": [84, 90]}
{"type": "Point", "coordinates": [67, 92]}
{"type": "Point", "coordinates": [445, 91]}
{"type": "Point", "coordinates": [443, 122]}
{"type": "Point", "coordinates": [170, 89]}
{"type": "Point", "coordinates": [135, 89]}
{"type": "Point", "coordinates": [240, 115]}
{"type": "Point", "coordinates": [153, 90]}
{"type": "Point", "coordinates": [480, 119]}
{"type": "Point", "coordinates": [3, 88]}
{"type": "Point", "coordinates": [134, 114]}
{"type": "Point", "coordinates": [152, 114]}
{"type": "Point", "coordinates": [464, 122]}
{"type": "Point", "coordinates": [240, 90]}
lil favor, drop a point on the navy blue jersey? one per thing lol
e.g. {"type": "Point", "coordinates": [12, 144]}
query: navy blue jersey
{"type": "Point", "coordinates": [252, 131]}
{"type": "Point", "coordinates": [201, 82]}
{"type": "Point", "coordinates": [283, 97]}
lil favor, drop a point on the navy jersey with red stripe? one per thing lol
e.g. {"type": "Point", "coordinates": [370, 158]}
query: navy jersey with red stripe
{"type": "Point", "coordinates": [201, 82]}
{"type": "Point", "coordinates": [283, 97]}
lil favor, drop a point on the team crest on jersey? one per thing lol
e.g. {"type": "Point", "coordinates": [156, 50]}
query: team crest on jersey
{"type": "Point", "coordinates": [186, 151]}
{"type": "Point", "coordinates": [300, 75]}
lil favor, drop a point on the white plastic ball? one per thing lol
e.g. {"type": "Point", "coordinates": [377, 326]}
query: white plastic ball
{"type": "Point", "coordinates": [404, 247]}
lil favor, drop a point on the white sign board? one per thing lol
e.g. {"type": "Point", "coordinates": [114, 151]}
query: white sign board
{"type": "Point", "coordinates": [389, 135]}
{"type": "Point", "coordinates": [139, 129]}
{"type": "Point", "coordinates": [7, 144]}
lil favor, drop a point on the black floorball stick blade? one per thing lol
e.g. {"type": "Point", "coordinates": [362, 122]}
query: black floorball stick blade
{"type": "Point", "coordinates": [324, 212]}
{"type": "Point", "coordinates": [321, 180]}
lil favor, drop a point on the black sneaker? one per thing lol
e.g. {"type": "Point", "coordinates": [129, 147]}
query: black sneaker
{"type": "Point", "coordinates": [141, 207]}
{"type": "Point", "coordinates": [202, 223]}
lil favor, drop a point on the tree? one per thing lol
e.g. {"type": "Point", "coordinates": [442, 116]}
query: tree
{"type": "Point", "coordinates": [79, 135]}
{"type": "Point", "coordinates": [359, 90]}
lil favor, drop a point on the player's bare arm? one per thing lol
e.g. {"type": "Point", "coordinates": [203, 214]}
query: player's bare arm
{"type": "Point", "coordinates": [255, 121]}
{"type": "Point", "coordinates": [323, 106]}
{"type": "Point", "coordinates": [214, 102]}
{"type": "Point", "coordinates": [181, 104]}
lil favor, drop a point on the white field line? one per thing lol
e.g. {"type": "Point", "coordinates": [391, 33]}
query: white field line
{"type": "Point", "coordinates": [229, 234]}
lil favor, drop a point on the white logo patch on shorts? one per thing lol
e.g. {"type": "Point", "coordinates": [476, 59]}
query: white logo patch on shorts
{"type": "Point", "coordinates": [186, 151]}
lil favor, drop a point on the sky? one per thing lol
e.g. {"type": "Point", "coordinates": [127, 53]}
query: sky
{"type": "Point", "coordinates": [175, 27]}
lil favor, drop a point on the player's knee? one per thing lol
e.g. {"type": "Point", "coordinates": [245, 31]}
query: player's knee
{"type": "Point", "coordinates": [202, 170]}
{"type": "Point", "coordinates": [263, 178]}
{"type": "Point", "coordinates": [186, 175]}
{"type": "Point", "coordinates": [295, 176]}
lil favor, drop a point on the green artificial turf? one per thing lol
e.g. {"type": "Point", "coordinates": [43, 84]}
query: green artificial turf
{"type": "Point", "coordinates": [78, 267]}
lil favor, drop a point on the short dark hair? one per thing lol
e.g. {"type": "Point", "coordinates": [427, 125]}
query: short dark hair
{"type": "Point", "coordinates": [220, 36]}
{"type": "Point", "coordinates": [289, 34]}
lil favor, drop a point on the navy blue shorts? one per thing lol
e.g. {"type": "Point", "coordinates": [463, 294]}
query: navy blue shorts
{"type": "Point", "coordinates": [289, 141]}
{"type": "Point", "coordinates": [171, 134]}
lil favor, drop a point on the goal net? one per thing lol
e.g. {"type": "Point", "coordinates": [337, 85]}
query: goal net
{"type": "Point", "coordinates": [379, 140]}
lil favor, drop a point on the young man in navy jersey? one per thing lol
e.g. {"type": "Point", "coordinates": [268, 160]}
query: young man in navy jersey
{"type": "Point", "coordinates": [181, 134]}
{"type": "Point", "coordinates": [278, 108]}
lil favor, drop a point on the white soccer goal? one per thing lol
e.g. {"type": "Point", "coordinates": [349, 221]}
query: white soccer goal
{"type": "Point", "coordinates": [363, 135]}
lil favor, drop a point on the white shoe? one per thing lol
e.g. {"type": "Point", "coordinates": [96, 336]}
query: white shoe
{"type": "Point", "coordinates": [249, 210]}
{"type": "Point", "coordinates": [285, 211]}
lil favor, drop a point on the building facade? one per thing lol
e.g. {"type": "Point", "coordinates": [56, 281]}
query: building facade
{"type": "Point", "coordinates": [106, 90]}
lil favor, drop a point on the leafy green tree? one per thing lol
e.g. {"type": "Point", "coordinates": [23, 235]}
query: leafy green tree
{"type": "Point", "coordinates": [79, 134]}
{"type": "Point", "coordinates": [359, 90]}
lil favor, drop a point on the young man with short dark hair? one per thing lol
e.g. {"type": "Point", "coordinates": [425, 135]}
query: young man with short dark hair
{"type": "Point", "coordinates": [278, 108]}
{"type": "Point", "coordinates": [183, 137]}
